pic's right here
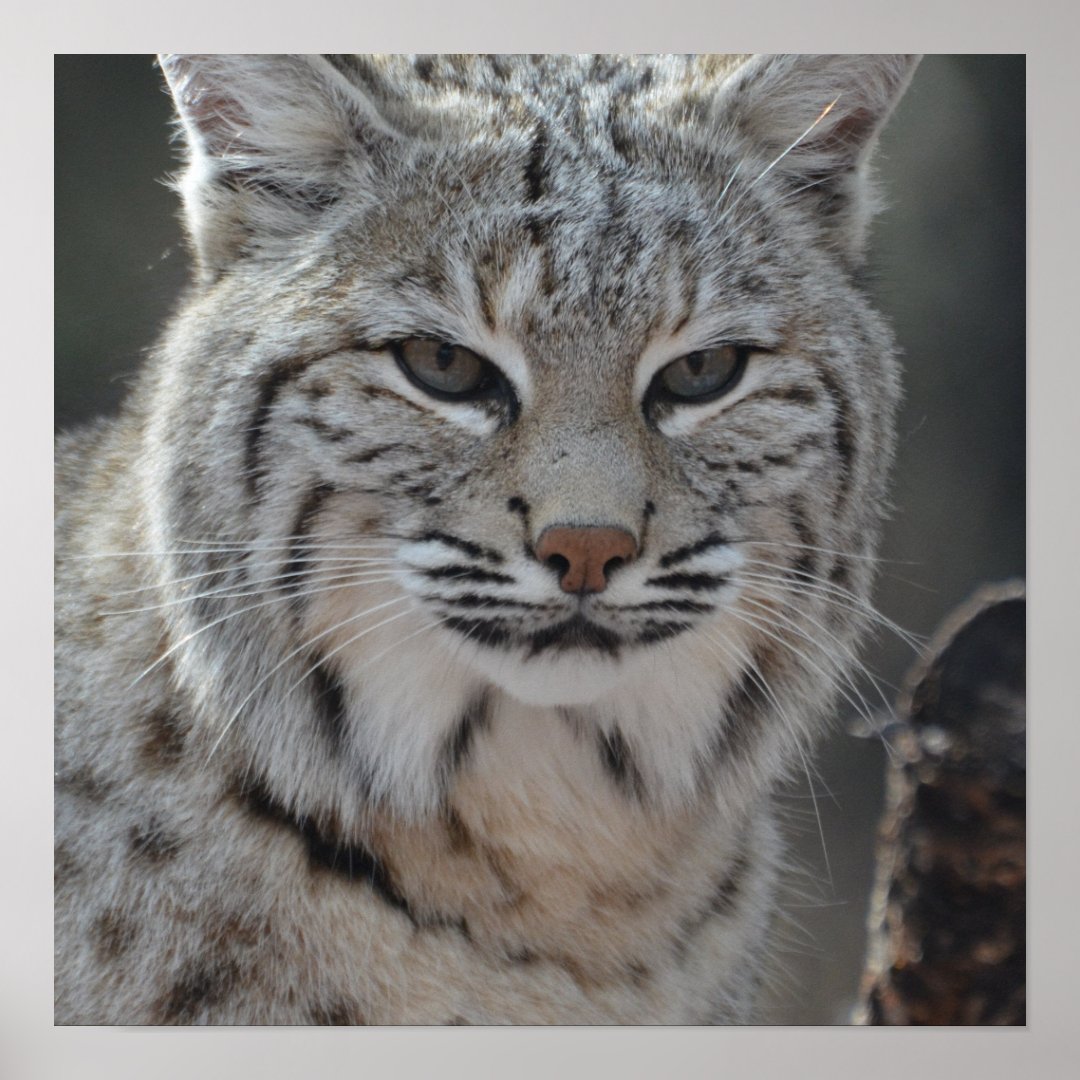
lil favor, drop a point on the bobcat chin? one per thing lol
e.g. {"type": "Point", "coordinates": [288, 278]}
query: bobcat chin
{"type": "Point", "coordinates": [487, 538]}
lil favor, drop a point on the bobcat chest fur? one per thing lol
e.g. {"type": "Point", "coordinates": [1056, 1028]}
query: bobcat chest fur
{"type": "Point", "coordinates": [488, 537]}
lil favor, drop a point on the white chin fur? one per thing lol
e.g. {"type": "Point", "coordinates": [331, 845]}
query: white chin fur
{"type": "Point", "coordinates": [565, 680]}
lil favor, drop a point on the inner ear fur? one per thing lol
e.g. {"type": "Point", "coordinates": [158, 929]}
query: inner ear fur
{"type": "Point", "coordinates": [271, 140]}
{"type": "Point", "coordinates": [813, 122]}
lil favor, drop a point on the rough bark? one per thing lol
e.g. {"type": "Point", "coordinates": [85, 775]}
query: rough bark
{"type": "Point", "coordinates": [948, 912]}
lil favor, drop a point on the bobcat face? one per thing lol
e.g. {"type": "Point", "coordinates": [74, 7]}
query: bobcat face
{"type": "Point", "coordinates": [568, 390]}
{"type": "Point", "coordinates": [504, 395]}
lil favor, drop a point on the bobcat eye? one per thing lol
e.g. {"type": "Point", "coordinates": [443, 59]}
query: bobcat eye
{"type": "Point", "coordinates": [442, 369]}
{"type": "Point", "coordinates": [701, 375]}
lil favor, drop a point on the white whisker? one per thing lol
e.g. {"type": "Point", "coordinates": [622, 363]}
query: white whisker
{"type": "Point", "coordinates": [747, 664]}
{"type": "Point", "coordinates": [844, 649]}
{"type": "Point", "coordinates": [237, 550]}
{"type": "Point", "coordinates": [217, 622]}
{"type": "Point", "coordinates": [854, 602]}
{"type": "Point", "coordinates": [860, 707]}
{"type": "Point", "coordinates": [327, 561]}
{"type": "Point", "coordinates": [227, 592]}
{"type": "Point", "coordinates": [304, 648]}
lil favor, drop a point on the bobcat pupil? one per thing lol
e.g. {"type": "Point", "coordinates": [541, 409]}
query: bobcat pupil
{"type": "Point", "coordinates": [441, 368]}
{"type": "Point", "coordinates": [699, 376]}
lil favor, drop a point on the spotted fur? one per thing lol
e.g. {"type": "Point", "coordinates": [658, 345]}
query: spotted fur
{"type": "Point", "coordinates": [333, 747]}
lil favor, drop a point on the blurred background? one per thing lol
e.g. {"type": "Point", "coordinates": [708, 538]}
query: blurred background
{"type": "Point", "coordinates": [949, 269]}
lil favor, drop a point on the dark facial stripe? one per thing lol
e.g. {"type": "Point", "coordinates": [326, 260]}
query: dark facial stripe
{"type": "Point", "coordinates": [456, 748]}
{"type": "Point", "coordinates": [484, 300]}
{"type": "Point", "coordinates": [331, 706]}
{"type": "Point", "coordinates": [694, 582]}
{"type": "Point", "coordinates": [660, 631]}
{"type": "Point", "coordinates": [618, 762]}
{"type": "Point", "coordinates": [475, 550]}
{"type": "Point", "coordinates": [354, 862]}
{"type": "Point", "coordinates": [482, 631]}
{"type": "Point", "coordinates": [296, 567]}
{"type": "Point", "coordinates": [324, 430]}
{"type": "Point", "coordinates": [840, 574]}
{"type": "Point", "coordinates": [692, 607]}
{"type": "Point", "coordinates": [722, 901]}
{"type": "Point", "coordinates": [647, 514]}
{"type": "Point", "coordinates": [370, 455]}
{"type": "Point", "coordinates": [536, 167]}
{"type": "Point", "coordinates": [726, 894]}
{"type": "Point", "coordinates": [780, 460]}
{"type": "Point", "coordinates": [680, 555]}
{"type": "Point", "coordinates": [680, 234]}
{"type": "Point", "coordinates": [843, 427]}
{"type": "Point", "coordinates": [217, 573]}
{"type": "Point", "coordinates": [517, 505]}
{"type": "Point", "coordinates": [805, 564]}
{"type": "Point", "coordinates": [549, 280]}
{"type": "Point", "coordinates": [788, 395]}
{"type": "Point", "coordinates": [468, 573]}
{"type": "Point", "coordinates": [474, 600]}
{"type": "Point", "coordinates": [269, 386]}
{"type": "Point", "coordinates": [540, 226]}
{"type": "Point", "coordinates": [742, 715]}
{"type": "Point", "coordinates": [617, 133]}
{"type": "Point", "coordinates": [385, 392]}
{"type": "Point", "coordinates": [577, 721]}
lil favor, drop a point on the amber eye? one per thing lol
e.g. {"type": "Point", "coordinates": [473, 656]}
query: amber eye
{"type": "Point", "coordinates": [443, 369]}
{"type": "Point", "coordinates": [701, 375]}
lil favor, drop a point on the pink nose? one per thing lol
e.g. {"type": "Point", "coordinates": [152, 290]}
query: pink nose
{"type": "Point", "coordinates": [585, 556]}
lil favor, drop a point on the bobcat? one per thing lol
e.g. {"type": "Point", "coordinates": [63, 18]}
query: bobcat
{"type": "Point", "coordinates": [488, 537]}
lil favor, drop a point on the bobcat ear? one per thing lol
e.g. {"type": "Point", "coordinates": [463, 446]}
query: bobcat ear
{"type": "Point", "coordinates": [813, 121]}
{"type": "Point", "coordinates": [270, 140]}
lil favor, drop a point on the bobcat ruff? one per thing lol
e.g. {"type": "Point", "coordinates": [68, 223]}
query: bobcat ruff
{"type": "Point", "coordinates": [488, 536]}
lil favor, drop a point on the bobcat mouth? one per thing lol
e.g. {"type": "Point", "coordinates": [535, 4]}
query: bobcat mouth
{"type": "Point", "coordinates": [575, 634]}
